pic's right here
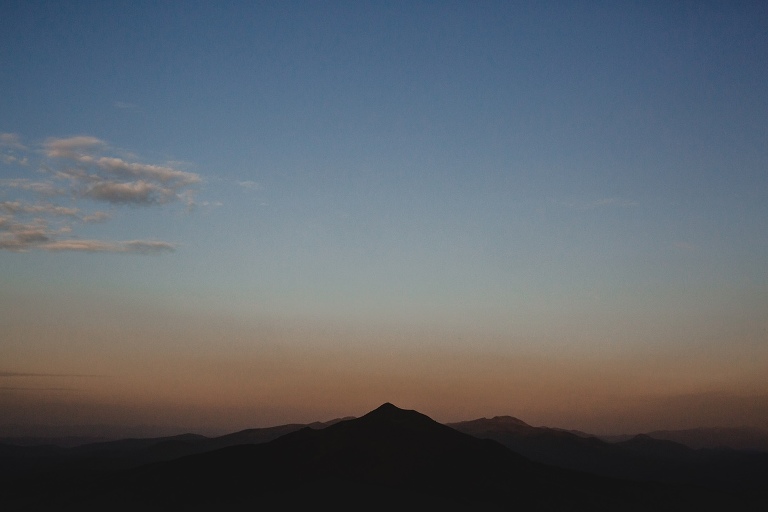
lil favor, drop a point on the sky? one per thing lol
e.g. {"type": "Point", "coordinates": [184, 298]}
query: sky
{"type": "Point", "coordinates": [224, 215]}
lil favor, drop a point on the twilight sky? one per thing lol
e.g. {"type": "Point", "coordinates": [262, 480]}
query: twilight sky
{"type": "Point", "coordinates": [221, 215]}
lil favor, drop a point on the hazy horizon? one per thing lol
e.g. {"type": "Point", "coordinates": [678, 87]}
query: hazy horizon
{"type": "Point", "coordinates": [233, 216]}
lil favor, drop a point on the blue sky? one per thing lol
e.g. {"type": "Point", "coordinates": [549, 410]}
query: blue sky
{"type": "Point", "coordinates": [429, 180]}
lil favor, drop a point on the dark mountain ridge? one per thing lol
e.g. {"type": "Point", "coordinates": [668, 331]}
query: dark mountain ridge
{"type": "Point", "coordinates": [388, 458]}
{"type": "Point", "coordinates": [21, 461]}
{"type": "Point", "coordinates": [738, 438]}
{"type": "Point", "coordinates": [640, 457]}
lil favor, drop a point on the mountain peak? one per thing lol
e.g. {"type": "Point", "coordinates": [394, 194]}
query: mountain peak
{"type": "Point", "coordinates": [509, 420]}
{"type": "Point", "coordinates": [388, 412]}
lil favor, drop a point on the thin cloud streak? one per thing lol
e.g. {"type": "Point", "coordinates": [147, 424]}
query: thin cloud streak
{"type": "Point", "coordinates": [11, 159]}
{"type": "Point", "coordinates": [44, 188]}
{"type": "Point", "coordinates": [160, 173]}
{"type": "Point", "coordinates": [249, 185]}
{"type": "Point", "coordinates": [122, 105]}
{"type": "Point", "coordinates": [96, 217]}
{"type": "Point", "coordinates": [28, 374]}
{"type": "Point", "coordinates": [71, 147]}
{"type": "Point", "coordinates": [18, 237]}
{"type": "Point", "coordinates": [610, 202]}
{"type": "Point", "coordinates": [133, 246]}
{"type": "Point", "coordinates": [8, 388]}
{"type": "Point", "coordinates": [137, 192]}
{"type": "Point", "coordinates": [16, 207]}
{"type": "Point", "coordinates": [80, 149]}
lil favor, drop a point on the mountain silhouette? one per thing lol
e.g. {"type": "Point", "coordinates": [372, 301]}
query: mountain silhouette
{"type": "Point", "coordinates": [739, 438]}
{"type": "Point", "coordinates": [640, 457]}
{"type": "Point", "coordinates": [22, 461]}
{"type": "Point", "coordinates": [390, 458]}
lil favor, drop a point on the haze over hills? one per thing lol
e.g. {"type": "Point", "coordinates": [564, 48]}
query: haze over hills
{"type": "Point", "coordinates": [388, 458]}
{"type": "Point", "coordinates": [638, 457]}
{"type": "Point", "coordinates": [19, 456]}
{"type": "Point", "coordinates": [737, 438]}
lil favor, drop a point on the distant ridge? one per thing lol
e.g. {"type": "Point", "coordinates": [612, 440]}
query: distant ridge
{"type": "Point", "coordinates": [497, 422]}
{"type": "Point", "coordinates": [738, 438]}
{"type": "Point", "coordinates": [640, 457]}
{"type": "Point", "coordinates": [388, 459]}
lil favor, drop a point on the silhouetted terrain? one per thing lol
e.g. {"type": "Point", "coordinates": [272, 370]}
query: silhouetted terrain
{"type": "Point", "coordinates": [639, 457]}
{"type": "Point", "coordinates": [20, 460]}
{"type": "Point", "coordinates": [388, 459]}
{"type": "Point", "coordinates": [738, 438]}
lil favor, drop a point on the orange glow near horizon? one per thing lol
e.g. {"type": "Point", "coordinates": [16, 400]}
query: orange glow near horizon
{"type": "Point", "coordinates": [228, 375]}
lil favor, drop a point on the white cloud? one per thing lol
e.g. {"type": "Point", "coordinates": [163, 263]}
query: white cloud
{"type": "Point", "coordinates": [135, 192]}
{"type": "Point", "coordinates": [96, 217]}
{"type": "Point", "coordinates": [11, 159]}
{"type": "Point", "coordinates": [21, 236]}
{"type": "Point", "coordinates": [70, 147]}
{"type": "Point", "coordinates": [116, 180]}
{"type": "Point", "coordinates": [147, 246]}
{"type": "Point", "coordinates": [83, 169]}
{"type": "Point", "coordinates": [249, 185]}
{"type": "Point", "coordinates": [31, 236]}
{"type": "Point", "coordinates": [11, 140]}
{"type": "Point", "coordinates": [44, 188]}
{"type": "Point", "coordinates": [17, 207]}
{"type": "Point", "coordinates": [25, 236]}
{"type": "Point", "coordinates": [10, 144]}
{"type": "Point", "coordinates": [159, 173]}
{"type": "Point", "coordinates": [82, 150]}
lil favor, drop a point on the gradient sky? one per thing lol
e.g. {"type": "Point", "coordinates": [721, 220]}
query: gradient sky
{"type": "Point", "coordinates": [221, 215]}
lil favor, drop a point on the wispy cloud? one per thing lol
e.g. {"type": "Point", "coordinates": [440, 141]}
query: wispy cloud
{"type": "Point", "coordinates": [11, 140]}
{"type": "Point", "coordinates": [12, 159]}
{"type": "Point", "coordinates": [96, 217]}
{"type": "Point", "coordinates": [21, 236]}
{"type": "Point", "coordinates": [121, 168]}
{"type": "Point", "coordinates": [133, 246]}
{"type": "Point", "coordinates": [83, 170]}
{"type": "Point", "coordinates": [249, 185]}
{"type": "Point", "coordinates": [36, 234]}
{"type": "Point", "coordinates": [115, 180]}
{"type": "Point", "coordinates": [10, 146]}
{"type": "Point", "coordinates": [610, 202]}
{"type": "Point", "coordinates": [15, 207]}
{"type": "Point", "coordinates": [82, 150]}
{"type": "Point", "coordinates": [123, 105]}
{"type": "Point", "coordinates": [136, 192]}
{"type": "Point", "coordinates": [44, 188]}
{"type": "Point", "coordinates": [71, 147]}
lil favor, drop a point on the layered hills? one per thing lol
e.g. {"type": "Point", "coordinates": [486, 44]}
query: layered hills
{"type": "Point", "coordinates": [640, 457]}
{"type": "Point", "coordinates": [387, 459]}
